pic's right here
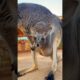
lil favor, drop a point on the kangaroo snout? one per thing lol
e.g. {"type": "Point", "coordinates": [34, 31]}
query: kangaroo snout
{"type": "Point", "coordinates": [37, 45]}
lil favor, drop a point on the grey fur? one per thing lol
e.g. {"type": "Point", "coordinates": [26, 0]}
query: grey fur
{"type": "Point", "coordinates": [40, 23]}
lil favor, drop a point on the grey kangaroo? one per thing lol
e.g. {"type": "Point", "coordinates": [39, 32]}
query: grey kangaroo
{"type": "Point", "coordinates": [43, 30]}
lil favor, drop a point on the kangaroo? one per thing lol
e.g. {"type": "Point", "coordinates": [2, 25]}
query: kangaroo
{"type": "Point", "coordinates": [43, 30]}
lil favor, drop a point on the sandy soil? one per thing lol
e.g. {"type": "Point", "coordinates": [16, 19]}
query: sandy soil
{"type": "Point", "coordinates": [44, 65]}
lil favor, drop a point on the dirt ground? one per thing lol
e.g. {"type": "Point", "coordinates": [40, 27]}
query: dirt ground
{"type": "Point", "coordinates": [44, 65]}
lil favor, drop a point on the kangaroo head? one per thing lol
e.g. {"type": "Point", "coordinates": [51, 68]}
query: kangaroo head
{"type": "Point", "coordinates": [39, 32]}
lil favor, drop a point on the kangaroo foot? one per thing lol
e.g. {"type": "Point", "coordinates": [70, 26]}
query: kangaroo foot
{"type": "Point", "coordinates": [25, 71]}
{"type": "Point", "coordinates": [50, 76]}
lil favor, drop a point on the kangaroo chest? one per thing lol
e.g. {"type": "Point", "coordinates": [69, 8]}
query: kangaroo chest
{"type": "Point", "coordinates": [45, 52]}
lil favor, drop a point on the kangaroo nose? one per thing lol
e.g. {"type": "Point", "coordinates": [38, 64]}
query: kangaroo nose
{"type": "Point", "coordinates": [37, 45]}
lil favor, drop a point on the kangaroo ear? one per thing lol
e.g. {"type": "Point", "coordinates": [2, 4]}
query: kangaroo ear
{"type": "Point", "coordinates": [39, 27]}
{"type": "Point", "coordinates": [33, 32]}
{"type": "Point", "coordinates": [44, 34]}
{"type": "Point", "coordinates": [42, 27]}
{"type": "Point", "coordinates": [41, 23]}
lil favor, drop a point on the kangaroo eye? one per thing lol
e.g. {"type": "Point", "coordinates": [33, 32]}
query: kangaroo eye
{"type": "Point", "coordinates": [42, 39]}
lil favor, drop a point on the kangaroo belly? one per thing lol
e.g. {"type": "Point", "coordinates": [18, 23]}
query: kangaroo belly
{"type": "Point", "coordinates": [45, 52]}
